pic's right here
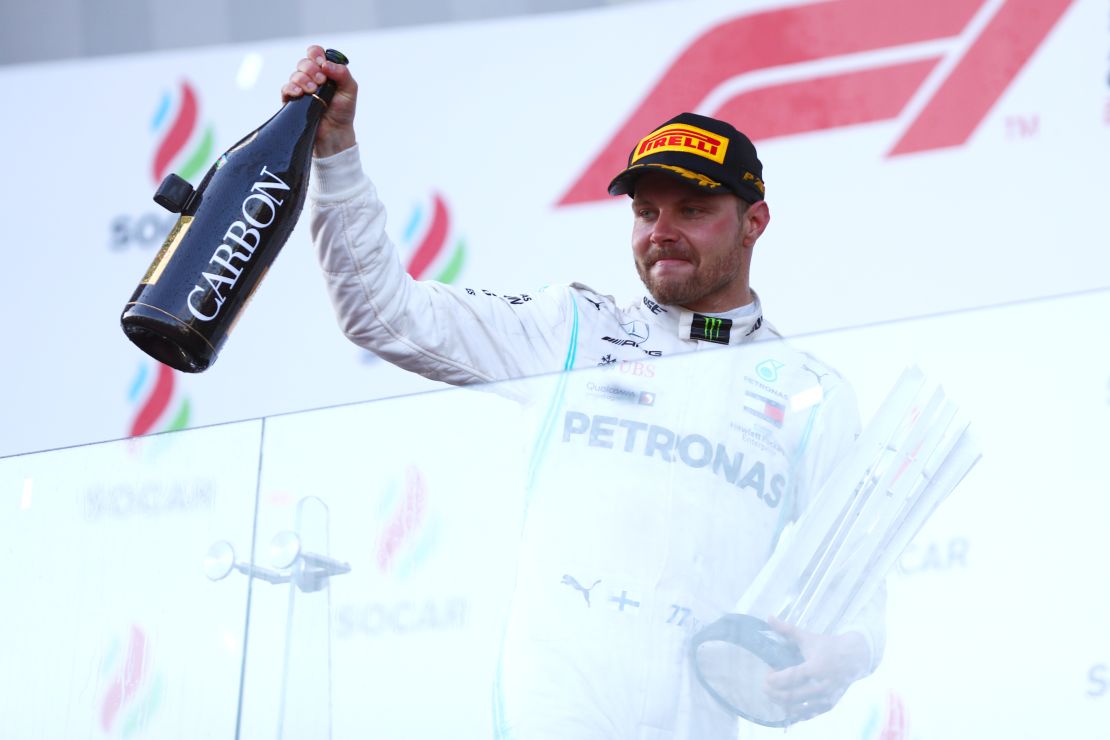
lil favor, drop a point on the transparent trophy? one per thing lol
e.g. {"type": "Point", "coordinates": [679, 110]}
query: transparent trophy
{"type": "Point", "coordinates": [301, 559]}
{"type": "Point", "coordinates": [832, 560]}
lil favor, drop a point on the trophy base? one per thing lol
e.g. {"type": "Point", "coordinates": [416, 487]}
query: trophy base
{"type": "Point", "coordinates": [731, 658]}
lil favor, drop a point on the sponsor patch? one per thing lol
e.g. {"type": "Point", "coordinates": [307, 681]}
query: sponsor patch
{"type": "Point", "coordinates": [710, 328]}
{"type": "Point", "coordinates": [683, 138]}
{"type": "Point", "coordinates": [764, 408]}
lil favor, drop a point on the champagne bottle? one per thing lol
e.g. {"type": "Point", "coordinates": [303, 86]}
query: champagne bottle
{"type": "Point", "coordinates": [231, 228]}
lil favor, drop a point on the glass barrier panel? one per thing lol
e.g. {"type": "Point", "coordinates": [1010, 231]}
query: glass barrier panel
{"type": "Point", "coordinates": [540, 556]}
{"type": "Point", "coordinates": [589, 554]}
{"type": "Point", "coordinates": [111, 627]}
{"type": "Point", "coordinates": [422, 496]}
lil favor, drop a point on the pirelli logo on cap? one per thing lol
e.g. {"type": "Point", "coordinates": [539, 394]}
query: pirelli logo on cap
{"type": "Point", "coordinates": [683, 138]}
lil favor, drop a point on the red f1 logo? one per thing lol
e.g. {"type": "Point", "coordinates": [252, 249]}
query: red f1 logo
{"type": "Point", "coordinates": [840, 63]}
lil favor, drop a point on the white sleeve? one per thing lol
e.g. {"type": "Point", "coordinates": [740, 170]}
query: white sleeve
{"type": "Point", "coordinates": [451, 334]}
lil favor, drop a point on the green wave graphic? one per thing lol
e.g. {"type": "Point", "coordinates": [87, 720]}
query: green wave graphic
{"type": "Point", "coordinates": [451, 270]}
{"type": "Point", "coordinates": [141, 712]}
{"type": "Point", "coordinates": [199, 159]}
{"type": "Point", "coordinates": [182, 419]}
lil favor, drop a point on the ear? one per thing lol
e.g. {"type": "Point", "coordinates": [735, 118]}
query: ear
{"type": "Point", "coordinates": [756, 219]}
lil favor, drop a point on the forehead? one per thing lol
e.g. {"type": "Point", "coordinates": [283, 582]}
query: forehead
{"type": "Point", "coordinates": [656, 186]}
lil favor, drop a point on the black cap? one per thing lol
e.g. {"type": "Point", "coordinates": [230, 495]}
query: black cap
{"type": "Point", "coordinates": [701, 151]}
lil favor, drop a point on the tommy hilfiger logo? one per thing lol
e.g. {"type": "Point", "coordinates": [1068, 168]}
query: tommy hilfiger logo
{"type": "Point", "coordinates": [710, 329]}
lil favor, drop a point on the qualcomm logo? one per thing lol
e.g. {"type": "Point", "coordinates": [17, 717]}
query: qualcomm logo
{"type": "Point", "coordinates": [407, 531]}
{"type": "Point", "coordinates": [152, 396]}
{"type": "Point", "coordinates": [892, 725]}
{"type": "Point", "coordinates": [941, 66]}
{"type": "Point", "coordinates": [133, 692]}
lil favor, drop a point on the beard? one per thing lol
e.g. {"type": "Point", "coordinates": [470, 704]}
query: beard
{"type": "Point", "coordinates": [708, 277]}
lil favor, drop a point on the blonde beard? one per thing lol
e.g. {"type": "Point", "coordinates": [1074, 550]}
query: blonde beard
{"type": "Point", "coordinates": [706, 280]}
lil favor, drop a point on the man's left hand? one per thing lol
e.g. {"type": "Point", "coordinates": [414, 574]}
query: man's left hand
{"type": "Point", "coordinates": [832, 663]}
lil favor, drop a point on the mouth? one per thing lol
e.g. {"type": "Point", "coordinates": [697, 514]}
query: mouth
{"type": "Point", "coordinates": [669, 258]}
{"type": "Point", "coordinates": [669, 262]}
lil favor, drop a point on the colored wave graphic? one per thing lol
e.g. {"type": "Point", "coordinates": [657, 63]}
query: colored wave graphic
{"type": "Point", "coordinates": [426, 239]}
{"type": "Point", "coordinates": [132, 694]}
{"type": "Point", "coordinates": [153, 393]}
{"type": "Point", "coordinates": [408, 533]}
{"type": "Point", "coordinates": [893, 726]}
{"type": "Point", "coordinates": [176, 122]}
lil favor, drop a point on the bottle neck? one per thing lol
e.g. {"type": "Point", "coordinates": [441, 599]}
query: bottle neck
{"type": "Point", "coordinates": [325, 93]}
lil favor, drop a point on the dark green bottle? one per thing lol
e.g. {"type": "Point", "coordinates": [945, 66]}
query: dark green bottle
{"type": "Point", "coordinates": [231, 228]}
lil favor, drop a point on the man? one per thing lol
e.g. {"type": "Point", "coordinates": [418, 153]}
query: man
{"type": "Point", "coordinates": [597, 642]}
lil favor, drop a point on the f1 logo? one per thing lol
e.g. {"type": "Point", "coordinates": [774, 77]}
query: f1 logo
{"type": "Point", "coordinates": [841, 63]}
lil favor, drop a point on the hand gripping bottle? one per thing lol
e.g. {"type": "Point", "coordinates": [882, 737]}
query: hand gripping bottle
{"type": "Point", "coordinates": [231, 228]}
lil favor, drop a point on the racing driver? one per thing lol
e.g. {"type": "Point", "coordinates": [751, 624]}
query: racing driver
{"type": "Point", "coordinates": [690, 481]}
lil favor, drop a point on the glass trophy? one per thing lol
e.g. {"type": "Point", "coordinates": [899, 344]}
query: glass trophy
{"type": "Point", "coordinates": [833, 559]}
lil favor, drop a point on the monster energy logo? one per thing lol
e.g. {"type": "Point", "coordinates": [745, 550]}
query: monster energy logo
{"type": "Point", "coordinates": [710, 329]}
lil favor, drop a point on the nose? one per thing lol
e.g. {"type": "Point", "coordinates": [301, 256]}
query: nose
{"type": "Point", "coordinates": [663, 230]}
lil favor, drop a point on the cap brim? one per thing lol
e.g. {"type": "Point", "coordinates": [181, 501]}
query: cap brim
{"type": "Point", "coordinates": [625, 182]}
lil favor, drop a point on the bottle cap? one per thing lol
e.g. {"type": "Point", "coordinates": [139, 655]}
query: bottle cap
{"type": "Point", "coordinates": [174, 193]}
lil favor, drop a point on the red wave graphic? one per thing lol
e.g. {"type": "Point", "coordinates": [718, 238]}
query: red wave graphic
{"type": "Point", "coordinates": [127, 682]}
{"type": "Point", "coordinates": [433, 241]}
{"type": "Point", "coordinates": [180, 130]}
{"type": "Point", "coordinates": [830, 29]}
{"type": "Point", "coordinates": [156, 404]}
{"type": "Point", "coordinates": [895, 726]}
{"type": "Point", "coordinates": [408, 516]}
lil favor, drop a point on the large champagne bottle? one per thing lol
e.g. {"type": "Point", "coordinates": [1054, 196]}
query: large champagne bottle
{"type": "Point", "coordinates": [231, 228]}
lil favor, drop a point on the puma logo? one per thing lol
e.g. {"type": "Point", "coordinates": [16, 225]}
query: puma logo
{"type": "Point", "coordinates": [814, 373]}
{"type": "Point", "coordinates": [573, 583]}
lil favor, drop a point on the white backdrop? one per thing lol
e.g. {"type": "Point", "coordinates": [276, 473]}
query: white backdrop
{"type": "Point", "coordinates": [500, 119]}
{"type": "Point", "coordinates": [998, 612]}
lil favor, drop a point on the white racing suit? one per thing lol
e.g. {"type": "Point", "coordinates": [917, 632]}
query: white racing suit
{"type": "Point", "coordinates": [658, 486]}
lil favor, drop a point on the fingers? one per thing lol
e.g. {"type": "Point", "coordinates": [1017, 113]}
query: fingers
{"type": "Point", "coordinates": [802, 697]}
{"type": "Point", "coordinates": [807, 709]}
{"type": "Point", "coordinates": [792, 685]}
{"type": "Point", "coordinates": [313, 71]}
{"type": "Point", "coordinates": [785, 628]}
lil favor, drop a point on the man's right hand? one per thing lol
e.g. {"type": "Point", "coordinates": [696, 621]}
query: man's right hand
{"type": "Point", "coordinates": [337, 127]}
